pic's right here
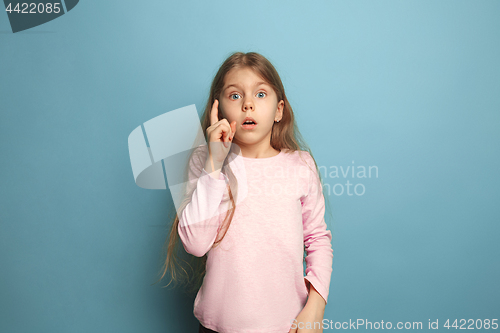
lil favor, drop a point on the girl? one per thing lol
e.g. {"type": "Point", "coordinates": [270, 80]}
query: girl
{"type": "Point", "coordinates": [254, 202]}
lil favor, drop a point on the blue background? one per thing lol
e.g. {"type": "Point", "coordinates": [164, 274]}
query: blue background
{"type": "Point", "coordinates": [411, 87]}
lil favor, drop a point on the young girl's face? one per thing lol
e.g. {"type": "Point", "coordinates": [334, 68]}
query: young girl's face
{"type": "Point", "coordinates": [245, 94]}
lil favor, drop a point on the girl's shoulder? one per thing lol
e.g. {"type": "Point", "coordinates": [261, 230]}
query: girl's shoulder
{"type": "Point", "coordinates": [304, 160]}
{"type": "Point", "coordinates": [298, 157]}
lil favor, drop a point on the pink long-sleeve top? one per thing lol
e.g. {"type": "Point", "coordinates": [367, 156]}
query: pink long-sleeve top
{"type": "Point", "coordinates": [254, 280]}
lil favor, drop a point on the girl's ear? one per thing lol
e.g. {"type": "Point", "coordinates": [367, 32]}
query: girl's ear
{"type": "Point", "coordinates": [279, 111]}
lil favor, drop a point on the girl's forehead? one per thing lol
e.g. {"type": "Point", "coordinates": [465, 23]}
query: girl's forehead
{"type": "Point", "coordinates": [239, 76]}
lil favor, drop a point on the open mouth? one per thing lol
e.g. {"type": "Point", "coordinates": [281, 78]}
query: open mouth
{"type": "Point", "coordinates": [249, 124]}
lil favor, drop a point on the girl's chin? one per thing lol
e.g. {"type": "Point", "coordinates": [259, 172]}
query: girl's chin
{"type": "Point", "coordinates": [245, 142]}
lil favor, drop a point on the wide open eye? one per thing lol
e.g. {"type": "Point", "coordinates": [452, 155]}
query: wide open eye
{"type": "Point", "coordinates": [261, 92]}
{"type": "Point", "coordinates": [230, 96]}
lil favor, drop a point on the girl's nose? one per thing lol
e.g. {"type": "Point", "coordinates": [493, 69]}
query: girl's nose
{"type": "Point", "coordinates": [248, 105]}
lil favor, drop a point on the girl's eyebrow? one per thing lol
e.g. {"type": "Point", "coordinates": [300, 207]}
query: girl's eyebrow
{"type": "Point", "coordinates": [238, 86]}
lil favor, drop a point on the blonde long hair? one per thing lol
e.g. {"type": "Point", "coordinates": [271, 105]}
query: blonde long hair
{"type": "Point", "coordinates": [285, 135]}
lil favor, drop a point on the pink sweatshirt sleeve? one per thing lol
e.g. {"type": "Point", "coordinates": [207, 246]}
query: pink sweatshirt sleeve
{"type": "Point", "coordinates": [317, 239]}
{"type": "Point", "coordinates": [200, 219]}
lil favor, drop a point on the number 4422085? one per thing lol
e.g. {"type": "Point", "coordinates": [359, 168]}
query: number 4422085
{"type": "Point", "coordinates": [472, 324]}
{"type": "Point", "coordinates": [34, 8]}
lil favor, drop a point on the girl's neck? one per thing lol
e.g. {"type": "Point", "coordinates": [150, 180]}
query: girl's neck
{"type": "Point", "coordinates": [258, 152]}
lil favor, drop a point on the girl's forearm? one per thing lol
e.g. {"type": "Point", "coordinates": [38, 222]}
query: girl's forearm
{"type": "Point", "coordinates": [315, 299]}
{"type": "Point", "coordinates": [213, 169]}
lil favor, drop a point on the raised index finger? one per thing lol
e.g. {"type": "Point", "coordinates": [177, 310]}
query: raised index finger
{"type": "Point", "coordinates": [214, 113]}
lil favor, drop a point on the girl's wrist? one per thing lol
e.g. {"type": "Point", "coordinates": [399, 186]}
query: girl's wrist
{"type": "Point", "coordinates": [212, 169]}
{"type": "Point", "coordinates": [316, 305]}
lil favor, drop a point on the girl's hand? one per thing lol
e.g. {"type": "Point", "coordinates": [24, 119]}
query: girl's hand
{"type": "Point", "coordinates": [309, 320]}
{"type": "Point", "coordinates": [219, 137]}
